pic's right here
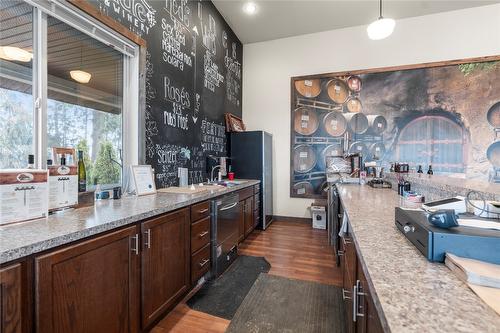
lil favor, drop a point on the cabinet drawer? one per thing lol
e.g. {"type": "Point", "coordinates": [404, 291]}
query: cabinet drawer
{"type": "Point", "coordinates": [245, 193]}
{"type": "Point", "coordinates": [200, 263]}
{"type": "Point", "coordinates": [200, 210]}
{"type": "Point", "coordinates": [256, 200]}
{"type": "Point", "coordinates": [256, 188]}
{"type": "Point", "coordinates": [256, 219]}
{"type": "Point", "coordinates": [200, 234]}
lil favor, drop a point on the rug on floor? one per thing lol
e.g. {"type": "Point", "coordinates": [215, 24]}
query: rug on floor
{"type": "Point", "coordinates": [278, 304]}
{"type": "Point", "coordinates": [223, 296]}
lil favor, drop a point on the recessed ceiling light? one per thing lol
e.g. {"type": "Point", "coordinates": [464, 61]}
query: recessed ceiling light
{"type": "Point", "coordinates": [250, 8]}
{"type": "Point", "coordinates": [80, 76]}
{"type": "Point", "coordinates": [15, 54]}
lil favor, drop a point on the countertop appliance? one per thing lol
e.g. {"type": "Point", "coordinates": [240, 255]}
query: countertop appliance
{"type": "Point", "coordinates": [334, 219]}
{"type": "Point", "coordinates": [251, 158]}
{"type": "Point", "coordinates": [434, 242]}
{"type": "Point", "coordinates": [224, 242]}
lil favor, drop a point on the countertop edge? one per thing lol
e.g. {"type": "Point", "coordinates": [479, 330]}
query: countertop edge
{"type": "Point", "coordinates": [19, 253]}
{"type": "Point", "coordinates": [373, 291]}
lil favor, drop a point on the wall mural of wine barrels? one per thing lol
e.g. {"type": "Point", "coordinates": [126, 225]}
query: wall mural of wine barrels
{"type": "Point", "coordinates": [444, 114]}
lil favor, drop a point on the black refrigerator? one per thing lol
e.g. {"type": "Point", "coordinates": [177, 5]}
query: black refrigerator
{"type": "Point", "coordinates": [251, 158]}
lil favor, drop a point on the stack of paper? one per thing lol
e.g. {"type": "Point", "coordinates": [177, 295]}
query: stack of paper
{"type": "Point", "coordinates": [482, 277]}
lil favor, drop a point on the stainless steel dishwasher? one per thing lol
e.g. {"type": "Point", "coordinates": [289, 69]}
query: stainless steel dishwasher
{"type": "Point", "coordinates": [225, 219]}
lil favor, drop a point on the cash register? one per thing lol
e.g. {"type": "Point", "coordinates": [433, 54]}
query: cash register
{"type": "Point", "coordinates": [433, 242]}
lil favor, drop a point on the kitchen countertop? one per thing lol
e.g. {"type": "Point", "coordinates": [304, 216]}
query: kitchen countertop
{"type": "Point", "coordinates": [410, 293]}
{"type": "Point", "coordinates": [25, 238]}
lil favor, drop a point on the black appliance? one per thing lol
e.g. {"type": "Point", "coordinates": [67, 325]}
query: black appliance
{"type": "Point", "coordinates": [224, 227]}
{"type": "Point", "coordinates": [251, 158]}
{"type": "Point", "coordinates": [334, 219]}
{"type": "Point", "coordinates": [434, 242]}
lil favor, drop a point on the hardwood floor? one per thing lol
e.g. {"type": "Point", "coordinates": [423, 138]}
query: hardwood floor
{"type": "Point", "coordinates": [294, 250]}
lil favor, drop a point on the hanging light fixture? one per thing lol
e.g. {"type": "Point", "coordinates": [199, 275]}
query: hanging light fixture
{"type": "Point", "coordinates": [14, 53]}
{"type": "Point", "coordinates": [381, 28]}
{"type": "Point", "coordinates": [79, 75]}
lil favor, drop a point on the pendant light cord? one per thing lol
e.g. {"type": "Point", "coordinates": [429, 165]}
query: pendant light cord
{"type": "Point", "coordinates": [380, 10]}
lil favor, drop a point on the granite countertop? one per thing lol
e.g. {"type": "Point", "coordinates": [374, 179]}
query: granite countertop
{"type": "Point", "coordinates": [25, 238]}
{"type": "Point", "coordinates": [411, 294]}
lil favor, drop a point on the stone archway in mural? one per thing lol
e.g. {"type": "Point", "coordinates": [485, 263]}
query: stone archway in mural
{"type": "Point", "coordinates": [434, 140]}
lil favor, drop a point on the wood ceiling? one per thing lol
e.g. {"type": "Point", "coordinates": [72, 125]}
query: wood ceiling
{"type": "Point", "coordinates": [67, 49]}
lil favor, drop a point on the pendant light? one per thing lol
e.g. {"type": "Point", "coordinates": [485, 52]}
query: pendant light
{"type": "Point", "coordinates": [381, 28]}
{"type": "Point", "coordinates": [14, 53]}
{"type": "Point", "coordinates": [79, 75]}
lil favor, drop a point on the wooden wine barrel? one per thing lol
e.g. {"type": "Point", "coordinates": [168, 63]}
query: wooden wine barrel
{"type": "Point", "coordinates": [335, 123]}
{"type": "Point", "coordinates": [359, 147]}
{"type": "Point", "coordinates": [303, 188]}
{"type": "Point", "coordinates": [493, 154]}
{"type": "Point", "coordinates": [308, 88]}
{"type": "Point", "coordinates": [304, 158]}
{"type": "Point", "coordinates": [377, 123]}
{"type": "Point", "coordinates": [354, 105]}
{"type": "Point", "coordinates": [305, 120]}
{"type": "Point", "coordinates": [354, 83]}
{"type": "Point", "coordinates": [493, 115]}
{"type": "Point", "coordinates": [337, 91]}
{"type": "Point", "coordinates": [377, 150]}
{"type": "Point", "coordinates": [331, 150]}
{"type": "Point", "coordinates": [358, 123]}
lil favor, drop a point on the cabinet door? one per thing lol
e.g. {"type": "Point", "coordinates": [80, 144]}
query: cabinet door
{"type": "Point", "coordinates": [241, 222]}
{"type": "Point", "coordinates": [249, 221]}
{"type": "Point", "coordinates": [349, 276]}
{"type": "Point", "coordinates": [90, 286]}
{"type": "Point", "coordinates": [165, 263]}
{"type": "Point", "coordinates": [367, 316]}
{"type": "Point", "coordinates": [11, 299]}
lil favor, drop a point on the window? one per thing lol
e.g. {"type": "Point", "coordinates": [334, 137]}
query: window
{"type": "Point", "coordinates": [16, 99]}
{"type": "Point", "coordinates": [75, 70]}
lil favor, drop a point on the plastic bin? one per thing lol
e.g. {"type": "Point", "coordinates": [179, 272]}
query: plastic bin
{"type": "Point", "coordinates": [318, 214]}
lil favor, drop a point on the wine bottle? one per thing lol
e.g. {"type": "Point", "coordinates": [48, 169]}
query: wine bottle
{"type": "Point", "coordinates": [82, 174]}
{"type": "Point", "coordinates": [31, 161]}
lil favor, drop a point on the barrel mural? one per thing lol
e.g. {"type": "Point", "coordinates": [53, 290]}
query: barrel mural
{"type": "Point", "coordinates": [442, 114]}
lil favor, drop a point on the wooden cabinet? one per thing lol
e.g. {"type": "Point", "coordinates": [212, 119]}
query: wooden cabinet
{"type": "Point", "coordinates": [349, 276]}
{"type": "Point", "coordinates": [361, 315]}
{"type": "Point", "coordinates": [13, 299]}
{"type": "Point", "coordinates": [165, 263]}
{"type": "Point", "coordinates": [200, 242]}
{"type": "Point", "coordinates": [248, 215]}
{"type": "Point", "coordinates": [200, 263]}
{"type": "Point", "coordinates": [241, 222]}
{"type": "Point", "coordinates": [367, 316]}
{"type": "Point", "coordinates": [91, 286]}
{"type": "Point", "coordinates": [200, 234]}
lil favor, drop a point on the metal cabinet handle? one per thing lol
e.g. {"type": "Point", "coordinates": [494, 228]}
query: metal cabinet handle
{"type": "Point", "coordinates": [344, 292]}
{"type": "Point", "coordinates": [203, 234]}
{"type": "Point", "coordinates": [359, 293]}
{"type": "Point", "coordinates": [148, 238]}
{"type": "Point", "coordinates": [340, 253]}
{"type": "Point", "coordinates": [346, 240]}
{"type": "Point", "coordinates": [135, 244]}
{"type": "Point", "coordinates": [201, 211]}
{"type": "Point", "coordinates": [228, 206]}
{"type": "Point", "coordinates": [354, 303]}
{"type": "Point", "coordinates": [203, 263]}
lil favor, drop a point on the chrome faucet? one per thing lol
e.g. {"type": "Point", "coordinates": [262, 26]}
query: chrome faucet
{"type": "Point", "coordinates": [212, 173]}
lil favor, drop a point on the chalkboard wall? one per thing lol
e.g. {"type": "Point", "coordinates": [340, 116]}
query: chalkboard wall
{"type": "Point", "coordinates": [193, 77]}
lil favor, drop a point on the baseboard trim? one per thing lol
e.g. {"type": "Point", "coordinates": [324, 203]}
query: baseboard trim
{"type": "Point", "coordinates": [279, 218]}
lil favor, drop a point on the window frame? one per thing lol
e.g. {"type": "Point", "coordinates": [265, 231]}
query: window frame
{"type": "Point", "coordinates": [76, 18]}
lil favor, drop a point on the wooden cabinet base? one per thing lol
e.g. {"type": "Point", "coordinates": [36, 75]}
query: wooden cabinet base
{"type": "Point", "coordinates": [91, 286]}
{"type": "Point", "coordinates": [165, 263]}
{"type": "Point", "coordinates": [13, 299]}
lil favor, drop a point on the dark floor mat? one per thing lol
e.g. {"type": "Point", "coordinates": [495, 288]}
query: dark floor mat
{"type": "Point", "coordinates": [223, 296]}
{"type": "Point", "coordinates": [277, 304]}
